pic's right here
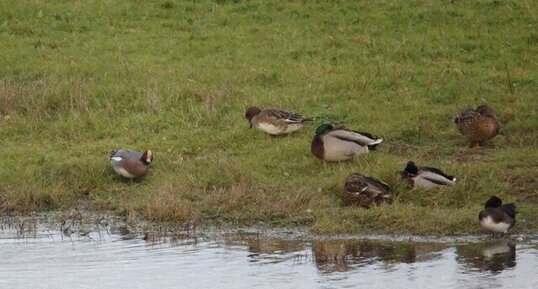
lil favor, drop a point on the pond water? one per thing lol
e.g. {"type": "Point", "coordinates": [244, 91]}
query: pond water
{"type": "Point", "coordinates": [37, 255]}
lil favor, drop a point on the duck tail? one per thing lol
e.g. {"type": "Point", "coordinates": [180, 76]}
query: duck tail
{"type": "Point", "coordinates": [510, 209]}
{"type": "Point", "coordinates": [374, 144]}
{"type": "Point", "coordinates": [112, 153]}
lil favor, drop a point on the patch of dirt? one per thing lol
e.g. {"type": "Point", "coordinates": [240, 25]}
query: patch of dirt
{"type": "Point", "coordinates": [525, 187]}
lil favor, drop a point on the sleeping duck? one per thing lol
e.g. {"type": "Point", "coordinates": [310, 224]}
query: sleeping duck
{"type": "Point", "coordinates": [131, 164]}
{"type": "Point", "coordinates": [496, 217]}
{"type": "Point", "coordinates": [339, 144]}
{"type": "Point", "coordinates": [275, 121]}
{"type": "Point", "coordinates": [365, 191]}
{"type": "Point", "coordinates": [426, 177]}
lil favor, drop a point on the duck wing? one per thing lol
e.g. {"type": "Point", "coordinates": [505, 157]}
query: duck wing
{"type": "Point", "coordinates": [466, 119]}
{"type": "Point", "coordinates": [509, 209]}
{"type": "Point", "coordinates": [125, 154]}
{"type": "Point", "coordinates": [286, 116]}
{"type": "Point", "coordinates": [353, 136]}
{"type": "Point", "coordinates": [437, 176]}
{"type": "Point", "coordinates": [378, 184]}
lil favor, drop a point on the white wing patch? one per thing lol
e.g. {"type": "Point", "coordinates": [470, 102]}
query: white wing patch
{"type": "Point", "coordinates": [124, 173]}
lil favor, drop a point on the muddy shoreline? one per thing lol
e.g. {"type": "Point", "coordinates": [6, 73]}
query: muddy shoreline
{"type": "Point", "coordinates": [82, 224]}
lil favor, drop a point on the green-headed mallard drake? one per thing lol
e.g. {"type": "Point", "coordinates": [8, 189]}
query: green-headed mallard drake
{"type": "Point", "coordinates": [478, 125]}
{"type": "Point", "coordinates": [496, 217]}
{"type": "Point", "coordinates": [340, 144]}
{"type": "Point", "coordinates": [426, 177]}
{"type": "Point", "coordinates": [275, 121]}
{"type": "Point", "coordinates": [131, 164]}
{"type": "Point", "coordinates": [365, 191]}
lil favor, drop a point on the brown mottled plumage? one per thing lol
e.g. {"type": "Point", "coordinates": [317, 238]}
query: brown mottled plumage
{"type": "Point", "coordinates": [365, 191]}
{"type": "Point", "coordinates": [478, 125]}
{"type": "Point", "coordinates": [275, 121]}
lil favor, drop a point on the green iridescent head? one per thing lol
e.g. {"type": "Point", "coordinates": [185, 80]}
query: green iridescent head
{"type": "Point", "coordinates": [323, 128]}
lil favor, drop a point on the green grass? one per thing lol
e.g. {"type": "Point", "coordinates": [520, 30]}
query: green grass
{"type": "Point", "coordinates": [78, 78]}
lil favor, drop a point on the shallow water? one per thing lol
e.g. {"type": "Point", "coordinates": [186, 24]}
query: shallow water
{"type": "Point", "coordinates": [36, 255]}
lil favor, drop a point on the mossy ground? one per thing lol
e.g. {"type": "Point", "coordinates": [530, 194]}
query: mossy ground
{"type": "Point", "coordinates": [80, 78]}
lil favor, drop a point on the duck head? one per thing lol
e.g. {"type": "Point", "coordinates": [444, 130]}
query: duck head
{"type": "Point", "coordinates": [493, 202]}
{"type": "Point", "coordinates": [484, 109]}
{"type": "Point", "coordinates": [147, 157]}
{"type": "Point", "coordinates": [250, 113]}
{"type": "Point", "coordinates": [323, 128]}
{"type": "Point", "coordinates": [410, 170]}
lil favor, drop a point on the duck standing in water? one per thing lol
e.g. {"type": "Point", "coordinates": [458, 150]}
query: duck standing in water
{"type": "Point", "coordinates": [365, 191]}
{"type": "Point", "coordinates": [478, 125]}
{"type": "Point", "coordinates": [496, 217]}
{"type": "Point", "coordinates": [340, 144]}
{"type": "Point", "coordinates": [131, 164]}
{"type": "Point", "coordinates": [275, 121]}
{"type": "Point", "coordinates": [426, 177]}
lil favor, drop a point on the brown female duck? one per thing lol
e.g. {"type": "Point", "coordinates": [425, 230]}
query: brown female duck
{"type": "Point", "coordinates": [478, 125]}
{"type": "Point", "coordinates": [365, 191]}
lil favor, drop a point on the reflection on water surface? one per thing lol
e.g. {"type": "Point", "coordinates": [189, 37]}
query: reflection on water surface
{"type": "Point", "coordinates": [107, 255]}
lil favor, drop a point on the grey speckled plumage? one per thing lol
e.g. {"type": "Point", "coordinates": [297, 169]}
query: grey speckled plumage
{"type": "Point", "coordinates": [426, 177]}
{"type": "Point", "coordinates": [365, 191]}
{"type": "Point", "coordinates": [130, 164]}
{"type": "Point", "coordinates": [340, 144]}
{"type": "Point", "coordinates": [478, 125]}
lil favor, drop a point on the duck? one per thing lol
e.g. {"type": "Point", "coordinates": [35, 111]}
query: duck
{"type": "Point", "coordinates": [478, 125]}
{"type": "Point", "coordinates": [340, 144]}
{"type": "Point", "coordinates": [365, 191]}
{"type": "Point", "coordinates": [496, 217]}
{"type": "Point", "coordinates": [426, 177]}
{"type": "Point", "coordinates": [131, 164]}
{"type": "Point", "coordinates": [275, 121]}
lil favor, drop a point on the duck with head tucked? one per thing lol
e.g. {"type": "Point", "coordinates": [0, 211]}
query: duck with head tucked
{"type": "Point", "coordinates": [339, 144]}
{"type": "Point", "coordinates": [365, 191]}
{"type": "Point", "coordinates": [131, 164]}
{"type": "Point", "coordinates": [496, 217]}
{"type": "Point", "coordinates": [275, 121]}
{"type": "Point", "coordinates": [478, 125]}
{"type": "Point", "coordinates": [426, 177]}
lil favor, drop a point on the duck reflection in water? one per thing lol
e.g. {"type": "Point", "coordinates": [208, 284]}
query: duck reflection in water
{"type": "Point", "coordinates": [344, 255]}
{"type": "Point", "coordinates": [269, 250]}
{"type": "Point", "coordinates": [493, 256]}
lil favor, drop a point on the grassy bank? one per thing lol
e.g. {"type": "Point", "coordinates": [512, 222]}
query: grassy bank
{"type": "Point", "coordinates": [79, 78]}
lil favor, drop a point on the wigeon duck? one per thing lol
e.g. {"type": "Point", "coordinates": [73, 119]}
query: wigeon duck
{"type": "Point", "coordinates": [131, 164]}
{"type": "Point", "coordinates": [275, 121]}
